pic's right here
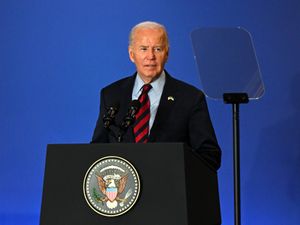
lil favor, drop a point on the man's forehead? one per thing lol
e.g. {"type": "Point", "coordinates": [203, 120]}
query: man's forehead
{"type": "Point", "coordinates": [147, 39]}
{"type": "Point", "coordinates": [153, 33]}
{"type": "Point", "coordinates": [150, 45]}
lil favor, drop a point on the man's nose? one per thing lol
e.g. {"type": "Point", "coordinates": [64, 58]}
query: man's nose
{"type": "Point", "coordinates": [151, 54]}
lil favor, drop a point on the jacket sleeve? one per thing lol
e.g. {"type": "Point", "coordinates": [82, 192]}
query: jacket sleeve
{"type": "Point", "coordinates": [202, 135]}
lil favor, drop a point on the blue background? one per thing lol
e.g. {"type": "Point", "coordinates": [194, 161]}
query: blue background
{"type": "Point", "coordinates": [55, 56]}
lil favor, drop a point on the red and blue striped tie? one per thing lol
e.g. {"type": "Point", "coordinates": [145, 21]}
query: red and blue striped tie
{"type": "Point", "coordinates": [141, 127]}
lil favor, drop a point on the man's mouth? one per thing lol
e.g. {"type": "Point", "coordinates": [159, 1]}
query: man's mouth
{"type": "Point", "coordinates": [150, 65]}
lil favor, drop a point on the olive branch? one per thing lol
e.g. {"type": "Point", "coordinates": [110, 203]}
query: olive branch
{"type": "Point", "coordinates": [97, 196]}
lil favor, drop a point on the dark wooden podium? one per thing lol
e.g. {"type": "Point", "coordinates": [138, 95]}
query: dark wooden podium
{"type": "Point", "coordinates": [177, 188]}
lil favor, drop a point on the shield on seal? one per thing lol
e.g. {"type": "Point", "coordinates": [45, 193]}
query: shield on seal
{"type": "Point", "coordinates": [111, 193]}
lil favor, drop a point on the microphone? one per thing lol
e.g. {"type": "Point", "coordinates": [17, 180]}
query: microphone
{"type": "Point", "coordinates": [130, 116]}
{"type": "Point", "coordinates": [109, 117]}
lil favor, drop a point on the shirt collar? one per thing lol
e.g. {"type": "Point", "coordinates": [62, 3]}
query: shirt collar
{"type": "Point", "coordinates": [157, 85]}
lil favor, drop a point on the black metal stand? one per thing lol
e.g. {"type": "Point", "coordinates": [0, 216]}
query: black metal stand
{"type": "Point", "coordinates": [236, 99]}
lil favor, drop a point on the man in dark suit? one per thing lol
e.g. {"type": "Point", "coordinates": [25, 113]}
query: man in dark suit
{"type": "Point", "coordinates": [178, 111]}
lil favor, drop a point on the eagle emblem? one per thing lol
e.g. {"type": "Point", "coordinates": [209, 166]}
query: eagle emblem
{"type": "Point", "coordinates": [111, 186]}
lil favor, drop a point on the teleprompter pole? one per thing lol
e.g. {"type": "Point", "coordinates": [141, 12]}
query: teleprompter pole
{"type": "Point", "coordinates": [236, 165]}
{"type": "Point", "coordinates": [236, 99]}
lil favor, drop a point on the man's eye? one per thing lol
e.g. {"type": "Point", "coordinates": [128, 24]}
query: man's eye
{"type": "Point", "coordinates": [158, 49]}
{"type": "Point", "coordinates": [143, 49]}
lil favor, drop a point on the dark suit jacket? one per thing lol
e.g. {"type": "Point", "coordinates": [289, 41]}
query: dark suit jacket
{"type": "Point", "coordinates": [186, 119]}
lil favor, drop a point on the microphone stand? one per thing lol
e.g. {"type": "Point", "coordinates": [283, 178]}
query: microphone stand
{"type": "Point", "coordinates": [122, 131]}
{"type": "Point", "coordinates": [127, 122]}
{"type": "Point", "coordinates": [236, 99]}
{"type": "Point", "coordinates": [116, 132]}
{"type": "Point", "coordinates": [129, 119]}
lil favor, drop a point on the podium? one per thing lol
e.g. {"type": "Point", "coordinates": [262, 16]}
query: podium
{"type": "Point", "coordinates": [176, 186]}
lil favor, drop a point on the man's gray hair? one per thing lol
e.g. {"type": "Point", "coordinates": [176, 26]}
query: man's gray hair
{"type": "Point", "coordinates": [148, 25]}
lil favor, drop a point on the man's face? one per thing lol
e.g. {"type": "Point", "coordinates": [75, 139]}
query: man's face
{"type": "Point", "coordinates": [149, 52]}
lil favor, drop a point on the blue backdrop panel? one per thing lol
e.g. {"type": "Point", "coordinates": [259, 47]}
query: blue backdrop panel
{"type": "Point", "coordinates": [55, 56]}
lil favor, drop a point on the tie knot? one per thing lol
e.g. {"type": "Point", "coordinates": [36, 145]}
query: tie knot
{"type": "Point", "coordinates": [146, 88]}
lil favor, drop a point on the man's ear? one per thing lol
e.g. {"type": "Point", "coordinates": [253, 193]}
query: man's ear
{"type": "Point", "coordinates": [167, 55]}
{"type": "Point", "coordinates": [131, 54]}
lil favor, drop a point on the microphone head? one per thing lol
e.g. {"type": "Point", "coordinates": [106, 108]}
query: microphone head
{"type": "Point", "coordinates": [133, 109]}
{"type": "Point", "coordinates": [109, 116]}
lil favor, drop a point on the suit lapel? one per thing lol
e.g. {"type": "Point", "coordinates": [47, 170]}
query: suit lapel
{"type": "Point", "coordinates": [166, 104]}
{"type": "Point", "coordinates": [126, 94]}
{"type": "Point", "coordinates": [125, 100]}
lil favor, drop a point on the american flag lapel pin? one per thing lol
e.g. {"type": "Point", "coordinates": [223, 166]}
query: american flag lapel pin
{"type": "Point", "coordinates": [171, 98]}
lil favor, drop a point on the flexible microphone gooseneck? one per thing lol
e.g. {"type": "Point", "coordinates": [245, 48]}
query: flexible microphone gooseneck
{"type": "Point", "coordinates": [130, 116]}
{"type": "Point", "coordinates": [109, 117]}
{"type": "Point", "coordinates": [129, 119]}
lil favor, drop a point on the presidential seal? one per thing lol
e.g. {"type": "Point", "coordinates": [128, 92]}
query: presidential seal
{"type": "Point", "coordinates": [111, 186]}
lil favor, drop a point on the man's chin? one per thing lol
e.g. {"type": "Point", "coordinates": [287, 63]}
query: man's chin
{"type": "Point", "coordinates": [149, 77]}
